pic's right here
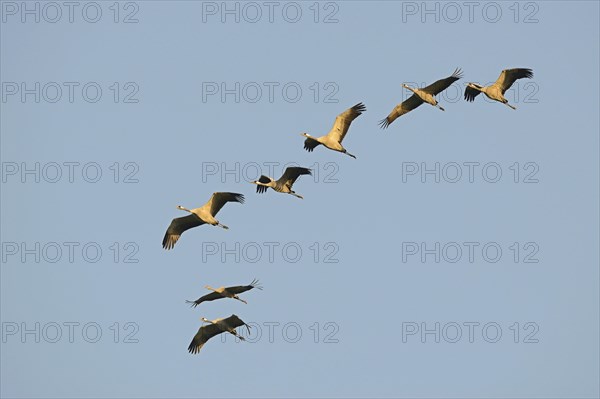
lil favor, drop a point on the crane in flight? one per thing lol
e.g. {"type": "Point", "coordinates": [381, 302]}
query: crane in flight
{"type": "Point", "coordinates": [496, 90]}
{"type": "Point", "coordinates": [420, 96]}
{"type": "Point", "coordinates": [284, 183]}
{"type": "Point", "coordinates": [226, 292]}
{"type": "Point", "coordinates": [216, 327]}
{"type": "Point", "coordinates": [199, 216]}
{"type": "Point", "coordinates": [333, 139]}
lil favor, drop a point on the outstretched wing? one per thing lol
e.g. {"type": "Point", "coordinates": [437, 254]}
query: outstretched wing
{"type": "Point", "coordinates": [233, 322]}
{"type": "Point", "coordinates": [404, 107]}
{"type": "Point", "coordinates": [343, 121]}
{"type": "Point", "coordinates": [217, 201]}
{"type": "Point", "coordinates": [471, 93]}
{"type": "Point", "coordinates": [437, 87]}
{"type": "Point", "coordinates": [177, 227]}
{"type": "Point", "coordinates": [310, 144]}
{"type": "Point", "coordinates": [292, 173]}
{"type": "Point", "coordinates": [263, 179]}
{"type": "Point", "coordinates": [238, 289]}
{"type": "Point", "coordinates": [204, 334]}
{"type": "Point", "coordinates": [208, 297]}
{"type": "Point", "coordinates": [509, 76]}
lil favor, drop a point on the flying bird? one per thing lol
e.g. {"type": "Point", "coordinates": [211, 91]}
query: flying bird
{"type": "Point", "coordinates": [199, 216]}
{"type": "Point", "coordinates": [226, 292]}
{"type": "Point", "coordinates": [284, 183]}
{"type": "Point", "coordinates": [426, 94]}
{"type": "Point", "coordinates": [496, 90]}
{"type": "Point", "coordinates": [215, 327]}
{"type": "Point", "coordinates": [333, 139]}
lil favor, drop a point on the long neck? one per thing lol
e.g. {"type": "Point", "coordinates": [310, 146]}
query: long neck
{"type": "Point", "coordinates": [408, 88]}
{"type": "Point", "coordinates": [185, 209]}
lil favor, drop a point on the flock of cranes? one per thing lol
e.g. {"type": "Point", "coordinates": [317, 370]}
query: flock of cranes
{"type": "Point", "coordinates": [216, 327]}
{"type": "Point", "coordinates": [333, 140]}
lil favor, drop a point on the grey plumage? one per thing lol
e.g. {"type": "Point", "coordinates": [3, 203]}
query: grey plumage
{"type": "Point", "coordinates": [215, 327]}
{"type": "Point", "coordinates": [284, 183]}
{"type": "Point", "coordinates": [426, 94]}
{"type": "Point", "coordinates": [199, 216]}
{"type": "Point", "coordinates": [496, 90]}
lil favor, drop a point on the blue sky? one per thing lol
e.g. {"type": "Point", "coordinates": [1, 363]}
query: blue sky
{"type": "Point", "coordinates": [347, 261]}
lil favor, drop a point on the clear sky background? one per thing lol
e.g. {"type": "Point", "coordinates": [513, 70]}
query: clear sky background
{"type": "Point", "coordinates": [360, 212]}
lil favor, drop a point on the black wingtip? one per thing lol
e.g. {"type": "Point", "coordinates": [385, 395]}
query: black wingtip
{"type": "Point", "coordinates": [310, 144]}
{"type": "Point", "coordinates": [384, 123]}
{"type": "Point", "coordinates": [458, 73]}
{"type": "Point", "coordinates": [359, 108]}
{"type": "Point", "coordinates": [167, 243]}
{"type": "Point", "coordinates": [301, 170]}
{"type": "Point", "coordinates": [528, 73]}
{"type": "Point", "coordinates": [193, 304]}
{"type": "Point", "coordinates": [239, 198]}
{"type": "Point", "coordinates": [192, 349]}
{"type": "Point", "coordinates": [256, 284]}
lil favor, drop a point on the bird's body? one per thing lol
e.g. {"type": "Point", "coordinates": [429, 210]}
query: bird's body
{"type": "Point", "coordinates": [199, 216]}
{"type": "Point", "coordinates": [424, 96]}
{"type": "Point", "coordinates": [333, 139]}
{"type": "Point", "coordinates": [215, 327]}
{"type": "Point", "coordinates": [225, 292]}
{"type": "Point", "coordinates": [496, 90]}
{"type": "Point", "coordinates": [284, 183]}
{"type": "Point", "coordinates": [420, 96]}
